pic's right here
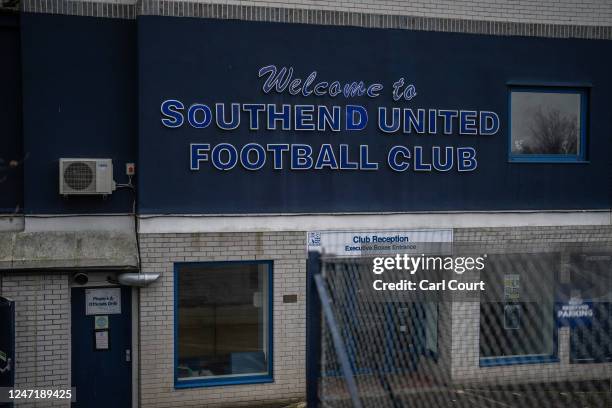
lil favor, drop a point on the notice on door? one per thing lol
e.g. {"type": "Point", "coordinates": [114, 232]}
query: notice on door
{"type": "Point", "coordinates": [103, 301]}
{"type": "Point", "coordinates": [102, 340]}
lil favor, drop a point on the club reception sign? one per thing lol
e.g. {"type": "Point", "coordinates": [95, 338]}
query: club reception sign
{"type": "Point", "coordinates": [289, 118]}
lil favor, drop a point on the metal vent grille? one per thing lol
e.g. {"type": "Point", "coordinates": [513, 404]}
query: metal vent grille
{"type": "Point", "coordinates": [80, 176]}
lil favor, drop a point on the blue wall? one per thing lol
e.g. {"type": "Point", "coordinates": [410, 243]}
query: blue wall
{"type": "Point", "coordinates": [11, 177]}
{"type": "Point", "coordinates": [92, 87]}
{"type": "Point", "coordinates": [79, 100]}
{"type": "Point", "coordinates": [208, 61]}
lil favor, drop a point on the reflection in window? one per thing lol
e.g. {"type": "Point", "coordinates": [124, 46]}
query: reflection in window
{"type": "Point", "coordinates": [223, 318]}
{"type": "Point", "coordinates": [591, 342]}
{"type": "Point", "coordinates": [547, 124]}
{"type": "Point", "coordinates": [591, 282]}
{"type": "Point", "coordinates": [517, 310]}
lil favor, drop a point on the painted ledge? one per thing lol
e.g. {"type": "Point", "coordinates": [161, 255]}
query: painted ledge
{"type": "Point", "coordinates": [68, 250]}
{"type": "Point", "coordinates": [154, 224]}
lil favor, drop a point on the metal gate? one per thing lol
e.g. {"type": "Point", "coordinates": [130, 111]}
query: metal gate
{"type": "Point", "coordinates": [371, 350]}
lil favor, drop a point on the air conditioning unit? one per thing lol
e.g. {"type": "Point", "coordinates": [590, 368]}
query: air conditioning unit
{"type": "Point", "coordinates": [86, 177]}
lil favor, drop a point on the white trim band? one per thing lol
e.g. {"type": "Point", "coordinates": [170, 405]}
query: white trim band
{"type": "Point", "coordinates": [304, 222]}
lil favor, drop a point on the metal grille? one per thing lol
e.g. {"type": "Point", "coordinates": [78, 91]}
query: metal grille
{"type": "Point", "coordinates": [505, 348]}
{"type": "Point", "coordinates": [79, 176]}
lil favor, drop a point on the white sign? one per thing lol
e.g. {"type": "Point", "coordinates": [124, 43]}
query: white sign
{"type": "Point", "coordinates": [512, 287]}
{"type": "Point", "coordinates": [512, 317]}
{"type": "Point", "coordinates": [103, 301]}
{"type": "Point", "coordinates": [102, 340]}
{"type": "Point", "coordinates": [101, 323]}
{"type": "Point", "coordinates": [575, 308]}
{"type": "Point", "coordinates": [366, 243]}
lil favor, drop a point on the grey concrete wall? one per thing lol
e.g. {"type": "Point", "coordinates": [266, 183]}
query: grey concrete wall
{"type": "Point", "coordinates": [67, 249]}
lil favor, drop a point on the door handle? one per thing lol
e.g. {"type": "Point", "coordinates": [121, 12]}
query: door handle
{"type": "Point", "coordinates": [128, 355]}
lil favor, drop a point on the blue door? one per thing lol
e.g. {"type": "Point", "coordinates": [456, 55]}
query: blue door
{"type": "Point", "coordinates": [7, 344]}
{"type": "Point", "coordinates": [101, 347]}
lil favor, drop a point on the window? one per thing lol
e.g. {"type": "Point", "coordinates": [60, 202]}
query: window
{"type": "Point", "coordinates": [591, 283]}
{"type": "Point", "coordinates": [547, 124]}
{"type": "Point", "coordinates": [223, 323]}
{"type": "Point", "coordinates": [590, 341]}
{"type": "Point", "coordinates": [517, 310]}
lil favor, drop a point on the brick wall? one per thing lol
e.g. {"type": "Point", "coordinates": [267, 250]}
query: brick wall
{"type": "Point", "coordinates": [546, 18]}
{"type": "Point", "coordinates": [42, 331]}
{"type": "Point", "coordinates": [465, 353]}
{"type": "Point", "coordinates": [586, 12]}
{"type": "Point", "coordinates": [159, 253]}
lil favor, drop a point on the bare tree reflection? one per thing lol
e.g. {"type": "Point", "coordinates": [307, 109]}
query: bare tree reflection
{"type": "Point", "coordinates": [551, 132]}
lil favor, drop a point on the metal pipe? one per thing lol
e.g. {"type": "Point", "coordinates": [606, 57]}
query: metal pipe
{"type": "Point", "coordinates": [138, 279]}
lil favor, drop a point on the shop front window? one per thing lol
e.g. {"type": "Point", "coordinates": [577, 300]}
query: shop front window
{"type": "Point", "coordinates": [591, 284]}
{"type": "Point", "coordinates": [547, 124]}
{"type": "Point", "coordinates": [223, 320]}
{"type": "Point", "coordinates": [517, 318]}
{"type": "Point", "coordinates": [591, 342]}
